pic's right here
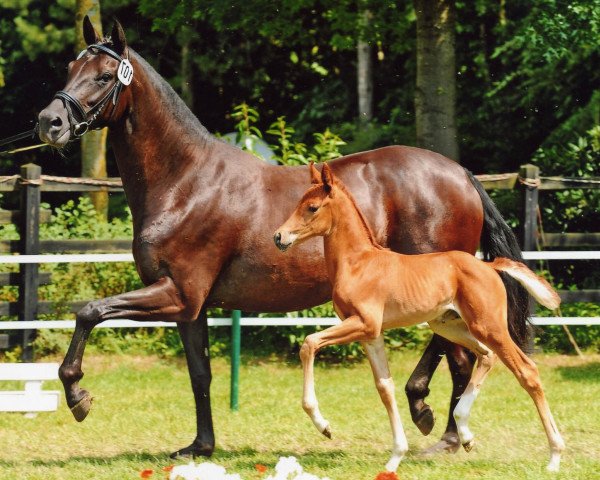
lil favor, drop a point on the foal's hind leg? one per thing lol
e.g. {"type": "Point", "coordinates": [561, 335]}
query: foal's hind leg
{"type": "Point", "coordinates": [456, 331]}
{"type": "Point", "coordinates": [385, 386]}
{"type": "Point", "coordinates": [527, 373]}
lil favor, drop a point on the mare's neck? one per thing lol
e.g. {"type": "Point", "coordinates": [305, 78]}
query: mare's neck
{"type": "Point", "coordinates": [349, 236]}
{"type": "Point", "coordinates": [157, 140]}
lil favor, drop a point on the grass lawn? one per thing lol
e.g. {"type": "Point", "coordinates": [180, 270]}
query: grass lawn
{"type": "Point", "coordinates": [143, 410]}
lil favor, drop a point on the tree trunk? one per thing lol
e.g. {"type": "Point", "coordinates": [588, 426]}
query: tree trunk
{"type": "Point", "coordinates": [93, 143]}
{"type": "Point", "coordinates": [187, 72]}
{"type": "Point", "coordinates": [435, 94]}
{"type": "Point", "coordinates": [364, 75]}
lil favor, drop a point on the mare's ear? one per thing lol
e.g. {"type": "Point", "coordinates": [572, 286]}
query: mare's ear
{"type": "Point", "coordinates": [118, 38]}
{"type": "Point", "coordinates": [315, 176]}
{"type": "Point", "coordinates": [327, 178]}
{"type": "Point", "coordinates": [90, 35]}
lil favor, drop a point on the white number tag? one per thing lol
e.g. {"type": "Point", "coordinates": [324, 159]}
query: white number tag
{"type": "Point", "coordinates": [125, 72]}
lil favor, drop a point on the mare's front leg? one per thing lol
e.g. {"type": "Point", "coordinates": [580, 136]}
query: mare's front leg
{"type": "Point", "coordinates": [352, 329]}
{"type": "Point", "coordinates": [194, 337]}
{"type": "Point", "coordinates": [385, 386]}
{"type": "Point", "coordinates": [159, 301]}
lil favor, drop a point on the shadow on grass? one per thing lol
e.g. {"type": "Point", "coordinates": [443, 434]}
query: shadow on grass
{"type": "Point", "coordinates": [589, 372]}
{"type": "Point", "coordinates": [99, 460]}
{"type": "Point", "coordinates": [322, 459]}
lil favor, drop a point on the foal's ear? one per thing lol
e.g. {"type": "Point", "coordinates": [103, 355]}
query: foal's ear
{"type": "Point", "coordinates": [118, 38]}
{"type": "Point", "coordinates": [90, 35]}
{"type": "Point", "coordinates": [327, 178]}
{"type": "Point", "coordinates": [315, 176]}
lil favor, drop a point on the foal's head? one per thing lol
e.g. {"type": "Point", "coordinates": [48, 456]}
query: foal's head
{"type": "Point", "coordinates": [95, 82]}
{"type": "Point", "coordinates": [313, 216]}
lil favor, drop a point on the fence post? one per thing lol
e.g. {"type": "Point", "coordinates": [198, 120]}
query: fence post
{"type": "Point", "coordinates": [29, 244]}
{"type": "Point", "coordinates": [529, 176]}
{"type": "Point", "coordinates": [236, 336]}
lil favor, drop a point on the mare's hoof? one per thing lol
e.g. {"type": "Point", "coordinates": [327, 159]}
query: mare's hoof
{"type": "Point", "coordinates": [425, 420]}
{"type": "Point", "coordinates": [445, 445]}
{"type": "Point", "coordinates": [194, 450]}
{"type": "Point", "coordinates": [468, 446]}
{"type": "Point", "coordinates": [81, 409]}
{"type": "Point", "coordinates": [327, 432]}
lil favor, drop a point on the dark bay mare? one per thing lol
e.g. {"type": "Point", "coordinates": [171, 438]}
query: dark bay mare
{"type": "Point", "coordinates": [201, 208]}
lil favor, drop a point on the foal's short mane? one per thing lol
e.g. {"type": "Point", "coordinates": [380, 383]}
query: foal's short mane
{"type": "Point", "coordinates": [363, 221]}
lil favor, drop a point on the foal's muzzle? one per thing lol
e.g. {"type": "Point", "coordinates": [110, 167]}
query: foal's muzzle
{"type": "Point", "coordinates": [280, 245]}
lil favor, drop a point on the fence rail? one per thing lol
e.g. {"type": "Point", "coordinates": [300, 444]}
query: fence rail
{"type": "Point", "coordinates": [249, 322]}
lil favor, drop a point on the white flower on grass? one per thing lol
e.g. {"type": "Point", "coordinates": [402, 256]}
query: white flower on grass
{"type": "Point", "coordinates": [288, 468]}
{"type": "Point", "coordinates": [202, 471]}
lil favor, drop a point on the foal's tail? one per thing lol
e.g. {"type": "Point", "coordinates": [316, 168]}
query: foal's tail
{"type": "Point", "coordinates": [498, 240]}
{"type": "Point", "coordinates": [538, 287]}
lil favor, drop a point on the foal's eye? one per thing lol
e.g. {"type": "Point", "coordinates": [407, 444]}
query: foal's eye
{"type": "Point", "coordinates": [312, 208]}
{"type": "Point", "coordinates": [106, 77]}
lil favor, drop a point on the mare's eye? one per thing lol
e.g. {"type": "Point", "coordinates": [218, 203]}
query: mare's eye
{"type": "Point", "coordinates": [106, 77]}
{"type": "Point", "coordinates": [312, 208]}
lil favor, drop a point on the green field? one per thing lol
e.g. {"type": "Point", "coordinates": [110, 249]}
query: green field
{"type": "Point", "coordinates": [143, 409]}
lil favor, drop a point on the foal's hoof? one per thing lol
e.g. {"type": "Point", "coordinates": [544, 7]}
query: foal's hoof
{"type": "Point", "coordinates": [425, 420]}
{"type": "Point", "coordinates": [327, 432]}
{"type": "Point", "coordinates": [468, 446]}
{"type": "Point", "coordinates": [81, 409]}
{"type": "Point", "coordinates": [194, 450]}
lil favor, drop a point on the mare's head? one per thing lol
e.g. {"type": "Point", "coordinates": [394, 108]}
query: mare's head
{"type": "Point", "coordinates": [313, 215]}
{"type": "Point", "coordinates": [96, 90]}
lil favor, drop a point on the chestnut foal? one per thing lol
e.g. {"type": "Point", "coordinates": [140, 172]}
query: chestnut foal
{"type": "Point", "coordinates": [462, 298]}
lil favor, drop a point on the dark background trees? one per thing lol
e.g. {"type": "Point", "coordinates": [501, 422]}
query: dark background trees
{"type": "Point", "coordinates": [525, 71]}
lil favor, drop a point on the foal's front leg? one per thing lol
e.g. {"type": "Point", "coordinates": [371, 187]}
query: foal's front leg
{"type": "Point", "coordinates": [353, 329]}
{"type": "Point", "coordinates": [385, 386]}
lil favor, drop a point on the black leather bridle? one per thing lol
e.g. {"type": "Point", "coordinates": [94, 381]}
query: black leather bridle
{"type": "Point", "coordinates": [81, 121]}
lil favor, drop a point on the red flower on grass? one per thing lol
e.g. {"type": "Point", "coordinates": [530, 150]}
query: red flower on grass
{"type": "Point", "coordinates": [387, 476]}
{"type": "Point", "coordinates": [146, 473]}
{"type": "Point", "coordinates": [260, 468]}
{"type": "Point", "coordinates": [168, 468]}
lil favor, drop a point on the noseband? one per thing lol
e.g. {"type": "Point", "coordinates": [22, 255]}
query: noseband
{"type": "Point", "coordinates": [80, 120]}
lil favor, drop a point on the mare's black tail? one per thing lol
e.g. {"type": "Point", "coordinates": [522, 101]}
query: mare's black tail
{"type": "Point", "coordinates": [498, 240]}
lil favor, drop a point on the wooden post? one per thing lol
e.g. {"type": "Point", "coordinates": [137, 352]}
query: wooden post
{"type": "Point", "coordinates": [529, 177]}
{"type": "Point", "coordinates": [29, 244]}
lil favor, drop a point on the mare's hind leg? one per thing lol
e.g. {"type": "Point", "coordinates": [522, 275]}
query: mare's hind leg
{"type": "Point", "coordinates": [417, 387]}
{"type": "Point", "coordinates": [385, 386]}
{"type": "Point", "coordinates": [460, 363]}
{"type": "Point", "coordinates": [456, 331]}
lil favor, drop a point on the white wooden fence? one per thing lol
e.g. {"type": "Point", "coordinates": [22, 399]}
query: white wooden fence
{"type": "Point", "coordinates": [253, 321]}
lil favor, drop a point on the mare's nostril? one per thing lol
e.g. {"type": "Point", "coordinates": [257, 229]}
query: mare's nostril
{"type": "Point", "coordinates": [56, 122]}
